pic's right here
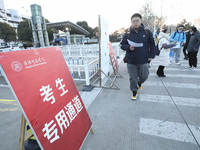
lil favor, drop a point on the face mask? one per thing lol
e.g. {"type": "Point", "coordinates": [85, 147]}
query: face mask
{"type": "Point", "coordinates": [191, 32]}
{"type": "Point", "coordinates": [179, 30]}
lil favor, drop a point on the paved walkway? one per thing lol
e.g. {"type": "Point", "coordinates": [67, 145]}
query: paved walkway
{"type": "Point", "coordinates": [165, 115]}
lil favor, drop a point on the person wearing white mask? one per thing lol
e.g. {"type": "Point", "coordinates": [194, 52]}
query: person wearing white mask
{"type": "Point", "coordinates": [164, 47]}
{"type": "Point", "coordinates": [179, 38]}
{"type": "Point", "coordinates": [193, 47]}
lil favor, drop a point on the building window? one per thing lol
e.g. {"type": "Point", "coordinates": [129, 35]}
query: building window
{"type": "Point", "coordinates": [3, 11]}
{"type": "Point", "coordinates": [9, 15]}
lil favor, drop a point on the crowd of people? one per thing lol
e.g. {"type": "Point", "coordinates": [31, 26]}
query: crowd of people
{"type": "Point", "coordinates": [188, 41]}
{"type": "Point", "coordinates": [140, 49]}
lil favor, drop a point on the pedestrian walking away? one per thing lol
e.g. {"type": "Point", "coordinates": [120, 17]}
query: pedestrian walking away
{"type": "Point", "coordinates": [164, 48]}
{"type": "Point", "coordinates": [138, 55]}
{"type": "Point", "coordinates": [193, 47]}
{"type": "Point", "coordinates": [179, 38]}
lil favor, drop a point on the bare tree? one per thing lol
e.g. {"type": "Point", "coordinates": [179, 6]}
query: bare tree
{"type": "Point", "coordinates": [149, 18]}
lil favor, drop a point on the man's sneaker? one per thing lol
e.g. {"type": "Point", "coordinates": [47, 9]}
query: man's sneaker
{"type": "Point", "coordinates": [135, 93]}
{"type": "Point", "coordinates": [139, 86]}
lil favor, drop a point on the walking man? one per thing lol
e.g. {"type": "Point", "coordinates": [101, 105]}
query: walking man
{"type": "Point", "coordinates": [179, 38]}
{"type": "Point", "coordinates": [193, 47]}
{"type": "Point", "coordinates": [138, 56]}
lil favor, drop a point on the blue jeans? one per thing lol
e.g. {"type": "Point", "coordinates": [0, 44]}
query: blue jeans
{"type": "Point", "coordinates": [177, 52]}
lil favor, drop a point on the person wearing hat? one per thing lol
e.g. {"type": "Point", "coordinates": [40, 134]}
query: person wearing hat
{"type": "Point", "coordinates": [179, 38]}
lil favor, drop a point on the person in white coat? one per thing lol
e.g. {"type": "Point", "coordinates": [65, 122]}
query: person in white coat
{"type": "Point", "coordinates": [163, 46]}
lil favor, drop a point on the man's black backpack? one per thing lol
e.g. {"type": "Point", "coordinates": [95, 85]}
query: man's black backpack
{"type": "Point", "coordinates": [127, 37]}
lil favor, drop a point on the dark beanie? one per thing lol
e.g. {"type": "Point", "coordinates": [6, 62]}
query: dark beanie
{"type": "Point", "coordinates": [164, 30]}
{"type": "Point", "coordinates": [194, 29]}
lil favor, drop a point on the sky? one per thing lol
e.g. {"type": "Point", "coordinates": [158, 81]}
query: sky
{"type": "Point", "coordinates": [117, 13]}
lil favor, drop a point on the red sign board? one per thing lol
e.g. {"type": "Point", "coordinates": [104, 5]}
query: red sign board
{"type": "Point", "coordinates": [113, 58]}
{"type": "Point", "coordinates": [49, 99]}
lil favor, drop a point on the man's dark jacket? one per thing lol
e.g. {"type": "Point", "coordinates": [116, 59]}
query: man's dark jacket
{"type": "Point", "coordinates": [139, 55]}
{"type": "Point", "coordinates": [188, 35]}
{"type": "Point", "coordinates": [194, 42]}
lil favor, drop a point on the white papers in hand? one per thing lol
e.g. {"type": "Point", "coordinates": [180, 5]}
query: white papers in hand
{"type": "Point", "coordinates": [178, 45]}
{"type": "Point", "coordinates": [134, 44]}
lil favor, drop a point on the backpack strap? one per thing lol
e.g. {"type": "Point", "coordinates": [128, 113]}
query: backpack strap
{"type": "Point", "coordinates": [183, 35]}
{"type": "Point", "coordinates": [148, 34]}
{"type": "Point", "coordinates": [127, 35]}
{"type": "Point", "coordinates": [174, 34]}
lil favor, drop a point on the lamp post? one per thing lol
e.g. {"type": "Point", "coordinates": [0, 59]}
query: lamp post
{"type": "Point", "coordinates": [154, 26]}
{"type": "Point", "coordinates": [161, 8]}
{"type": "Point", "coordinates": [155, 32]}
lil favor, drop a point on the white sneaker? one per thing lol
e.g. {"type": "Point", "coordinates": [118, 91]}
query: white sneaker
{"type": "Point", "coordinates": [191, 68]}
{"type": "Point", "coordinates": [178, 63]}
{"type": "Point", "coordinates": [194, 68]}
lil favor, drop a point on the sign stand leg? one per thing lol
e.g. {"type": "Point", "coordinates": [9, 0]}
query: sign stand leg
{"type": "Point", "coordinates": [113, 82]}
{"type": "Point", "coordinates": [23, 138]}
{"type": "Point", "coordinates": [22, 133]}
{"type": "Point", "coordinates": [92, 131]}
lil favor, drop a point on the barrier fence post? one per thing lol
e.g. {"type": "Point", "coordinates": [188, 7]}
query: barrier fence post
{"type": "Point", "coordinates": [87, 78]}
{"type": "Point", "coordinates": [80, 52]}
{"type": "Point", "coordinates": [69, 51]}
{"type": "Point", "coordinates": [88, 86]}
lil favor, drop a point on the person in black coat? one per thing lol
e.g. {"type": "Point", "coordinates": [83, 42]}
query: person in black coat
{"type": "Point", "coordinates": [193, 47]}
{"type": "Point", "coordinates": [188, 35]}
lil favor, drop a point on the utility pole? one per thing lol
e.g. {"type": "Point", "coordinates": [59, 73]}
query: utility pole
{"type": "Point", "coordinates": [161, 8]}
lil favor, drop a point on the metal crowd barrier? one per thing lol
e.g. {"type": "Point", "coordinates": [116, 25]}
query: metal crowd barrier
{"type": "Point", "coordinates": [83, 60]}
{"type": "Point", "coordinates": [84, 72]}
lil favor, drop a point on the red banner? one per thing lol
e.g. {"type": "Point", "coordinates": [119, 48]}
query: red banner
{"type": "Point", "coordinates": [113, 58]}
{"type": "Point", "coordinates": [49, 99]}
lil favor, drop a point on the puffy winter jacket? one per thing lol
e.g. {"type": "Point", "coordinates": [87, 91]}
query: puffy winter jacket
{"type": "Point", "coordinates": [194, 42]}
{"type": "Point", "coordinates": [139, 55]}
{"type": "Point", "coordinates": [163, 57]}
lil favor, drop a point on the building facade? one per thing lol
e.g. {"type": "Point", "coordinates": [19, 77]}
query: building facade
{"type": "Point", "coordinates": [14, 17]}
{"type": "Point", "coordinates": [11, 16]}
{"type": "Point", "coordinates": [3, 17]}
